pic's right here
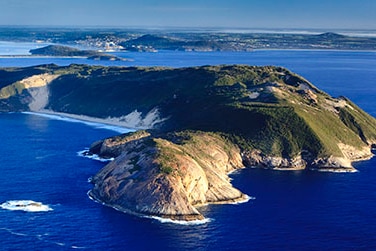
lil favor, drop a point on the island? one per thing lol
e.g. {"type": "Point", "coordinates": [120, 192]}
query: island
{"type": "Point", "coordinates": [66, 51]}
{"type": "Point", "coordinates": [193, 126]}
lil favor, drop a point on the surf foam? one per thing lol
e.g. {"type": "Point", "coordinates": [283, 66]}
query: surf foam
{"type": "Point", "coordinates": [25, 205]}
{"type": "Point", "coordinates": [160, 219]}
{"type": "Point", "coordinates": [179, 222]}
{"type": "Point", "coordinates": [85, 153]}
{"type": "Point", "coordinates": [246, 199]}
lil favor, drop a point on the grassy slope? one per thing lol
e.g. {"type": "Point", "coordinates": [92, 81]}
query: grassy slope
{"type": "Point", "coordinates": [65, 51]}
{"type": "Point", "coordinates": [280, 121]}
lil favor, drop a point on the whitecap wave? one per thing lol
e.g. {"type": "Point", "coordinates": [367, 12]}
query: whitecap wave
{"type": "Point", "coordinates": [246, 199]}
{"type": "Point", "coordinates": [77, 247]}
{"type": "Point", "coordinates": [336, 170]}
{"type": "Point", "coordinates": [86, 154]}
{"type": "Point", "coordinates": [42, 237]}
{"type": "Point", "coordinates": [236, 171]}
{"type": "Point", "coordinates": [25, 205]}
{"type": "Point", "coordinates": [179, 222]}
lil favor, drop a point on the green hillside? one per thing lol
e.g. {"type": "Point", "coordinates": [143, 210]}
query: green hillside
{"type": "Point", "coordinates": [266, 108]}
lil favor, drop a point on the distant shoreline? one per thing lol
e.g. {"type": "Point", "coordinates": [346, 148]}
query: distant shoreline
{"type": "Point", "coordinates": [39, 56]}
{"type": "Point", "coordinates": [255, 50]}
{"type": "Point", "coordinates": [317, 50]}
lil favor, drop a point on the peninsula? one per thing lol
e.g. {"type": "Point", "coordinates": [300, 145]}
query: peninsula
{"type": "Point", "coordinates": [194, 126]}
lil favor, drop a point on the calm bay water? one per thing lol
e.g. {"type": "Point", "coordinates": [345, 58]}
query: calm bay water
{"type": "Point", "coordinates": [292, 211]}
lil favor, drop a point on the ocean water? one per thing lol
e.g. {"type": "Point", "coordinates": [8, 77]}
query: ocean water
{"type": "Point", "coordinates": [293, 210]}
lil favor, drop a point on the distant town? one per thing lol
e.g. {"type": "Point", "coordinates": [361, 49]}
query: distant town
{"type": "Point", "coordinates": [117, 39]}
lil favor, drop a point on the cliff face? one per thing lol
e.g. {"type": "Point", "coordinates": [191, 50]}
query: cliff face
{"type": "Point", "coordinates": [168, 177]}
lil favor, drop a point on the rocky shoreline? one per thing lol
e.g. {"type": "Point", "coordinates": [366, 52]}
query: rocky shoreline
{"type": "Point", "coordinates": [135, 182]}
{"type": "Point", "coordinates": [117, 147]}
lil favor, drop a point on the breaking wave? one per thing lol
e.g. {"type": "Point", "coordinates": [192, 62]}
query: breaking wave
{"type": "Point", "coordinates": [180, 222]}
{"type": "Point", "coordinates": [160, 219]}
{"type": "Point", "coordinates": [246, 199]}
{"type": "Point", "coordinates": [41, 237]}
{"type": "Point", "coordinates": [25, 205]}
{"type": "Point", "coordinates": [85, 153]}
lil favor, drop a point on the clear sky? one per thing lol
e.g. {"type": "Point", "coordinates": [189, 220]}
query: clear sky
{"type": "Point", "coordinates": [331, 14]}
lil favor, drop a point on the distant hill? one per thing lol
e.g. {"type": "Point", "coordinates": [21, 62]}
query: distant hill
{"type": "Point", "coordinates": [191, 40]}
{"type": "Point", "coordinates": [150, 42]}
{"type": "Point", "coordinates": [247, 42]}
{"type": "Point", "coordinates": [331, 35]}
{"type": "Point", "coordinates": [66, 51]}
{"type": "Point", "coordinates": [62, 51]}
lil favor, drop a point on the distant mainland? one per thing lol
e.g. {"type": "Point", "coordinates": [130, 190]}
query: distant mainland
{"type": "Point", "coordinates": [141, 40]}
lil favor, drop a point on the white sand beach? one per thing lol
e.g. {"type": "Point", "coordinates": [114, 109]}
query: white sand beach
{"type": "Point", "coordinates": [110, 123]}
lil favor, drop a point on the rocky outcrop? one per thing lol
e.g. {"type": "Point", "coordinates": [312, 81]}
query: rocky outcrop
{"type": "Point", "coordinates": [256, 158]}
{"type": "Point", "coordinates": [170, 177]}
{"type": "Point", "coordinates": [307, 160]}
{"type": "Point", "coordinates": [114, 146]}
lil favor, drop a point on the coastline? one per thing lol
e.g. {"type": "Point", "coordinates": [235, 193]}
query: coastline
{"type": "Point", "coordinates": [39, 56]}
{"type": "Point", "coordinates": [92, 121]}
{"type": "Point", "coordinates": [312, 49]}
{"type": "Point", "coordinates": [161, 219]}
{"type": "Point", "coordinates": [121, 127]}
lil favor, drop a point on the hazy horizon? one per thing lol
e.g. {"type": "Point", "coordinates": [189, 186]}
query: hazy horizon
{"type": "Point", "coordinates": [209, 14]}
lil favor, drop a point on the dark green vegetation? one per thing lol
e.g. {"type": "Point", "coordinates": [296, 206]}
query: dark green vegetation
{"type": "Point", "coordinates": [247, 42]}
{"type": "Point", "coordinates": [59, 50]}
{"type": "Point", "coordinates": [266, 108]}
{"type": "Point", "coordinates": [152, 42]}
{"type": "Point", "coordinates": [66, 51]}
{"type": "Point", "coordinates": [197, 40]}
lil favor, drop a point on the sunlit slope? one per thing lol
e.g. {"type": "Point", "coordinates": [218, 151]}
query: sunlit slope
{"type": "Point", "coordinates": [269, 109]}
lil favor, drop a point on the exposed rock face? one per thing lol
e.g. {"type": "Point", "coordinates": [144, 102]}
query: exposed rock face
{"type": "Point", "coordinates": [155, 176]}
{"type": "Point", "coordinates": [307, 160]}
{"type": "Point", "coordinates": [114, 146]}
{"type": "Point", "coordinates": [136, 120]}
{"type": "Point", "coordinates": [172, 176]}
{"type": "Point", "coordinates": [36, 90]}
{"type": "Point", "coordinates": [257, 159]}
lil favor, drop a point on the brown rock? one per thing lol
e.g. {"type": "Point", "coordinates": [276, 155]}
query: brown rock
{"type": "Point", "coordinates": [157, 177]}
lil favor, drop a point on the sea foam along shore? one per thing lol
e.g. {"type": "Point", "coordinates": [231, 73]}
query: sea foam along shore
{"type": "Point", "coordinates": [153, 217]}
{"type": "Point", "coordinates": [86, 154]}
{"type": "Point", "coordinates": [90, 121]}
{"type": "Point", "coordinates": [25, 205]}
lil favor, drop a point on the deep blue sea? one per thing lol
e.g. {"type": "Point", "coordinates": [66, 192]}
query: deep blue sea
{"type": "Point", "coordinates": [293, 210]}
